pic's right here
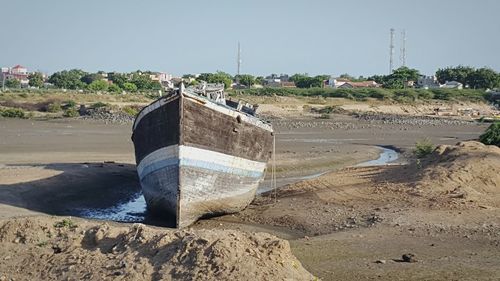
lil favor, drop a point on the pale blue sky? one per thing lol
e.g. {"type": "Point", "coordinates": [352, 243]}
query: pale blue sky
{"type": "Point", "coordinates": [314, 36]}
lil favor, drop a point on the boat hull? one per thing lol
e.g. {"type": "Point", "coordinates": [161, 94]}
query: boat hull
{"type": "Point", "coordinates": [205, 160]}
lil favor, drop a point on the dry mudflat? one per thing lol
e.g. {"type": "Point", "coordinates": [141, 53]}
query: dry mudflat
{"type": "Point", "coordinates": [345, 223]}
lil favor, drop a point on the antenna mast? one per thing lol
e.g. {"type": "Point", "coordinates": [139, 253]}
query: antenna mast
{"type": "Point", "coordinates": [239, 58]}
{"type": "Point", "coordinates": [391, 52]}
{"type": "Point", "coordinates": [403, 48]}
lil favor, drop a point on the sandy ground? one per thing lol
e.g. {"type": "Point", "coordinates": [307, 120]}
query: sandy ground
{"type": "Point", "coordinates": [349, 224]}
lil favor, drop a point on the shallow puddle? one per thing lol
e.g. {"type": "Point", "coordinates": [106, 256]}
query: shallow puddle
{"type": "Point", "coordinates": [131, 211]}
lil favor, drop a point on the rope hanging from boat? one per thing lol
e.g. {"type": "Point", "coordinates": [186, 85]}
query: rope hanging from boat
{"type": "Point", "coordinates": [273, 171]}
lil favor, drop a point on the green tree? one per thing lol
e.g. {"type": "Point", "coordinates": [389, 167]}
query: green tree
{"type": "Point", "coordinates": [298, 76]}
{"type": "Point", "coordinates": [118, 79]}
{"type": "Point", "coordinates": [129, 87]}
{"type": "Point", "coordinates": [144, 82]}
{"type": "Point", "coordinates": [347, 76]}
{"type": "Point", "coordinates": [399, 77]}
{"type": "Point", "coordinates": [91, 77]}
{"type": "Point", "coordinates": [259, 80]}
{"type": "Point", "coordinates": [113, 88]}
{"type": "Point", "coordinates": [304, 81]}
{"type": "Point", "coordinates": [68, 79]}
{"type": "Point", "coordinates": [484, 78]}
{"type": "Point", "coordinates": [218, 77]}
{"type": "Point", "coordinates": [245, 79]}
{"type": "Point", "coordinates": [459, 73]}
{"type": "Point", "coordinates": [12, 83]}
{"type": "Point", "coordinates": [381, 79]}
{"type": "Point", "coordinates": [98, 85]}
{"type": "Point", "coordinates": [35, 79]}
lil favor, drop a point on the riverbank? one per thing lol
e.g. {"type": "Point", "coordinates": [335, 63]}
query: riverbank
{"type": "Point", "coordinates": [341, 220]}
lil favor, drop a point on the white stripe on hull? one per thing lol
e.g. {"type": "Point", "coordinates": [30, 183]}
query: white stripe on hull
{"type": "Point", "coordinates": [178, 180]}
{"type": "Point", "coordinates": [201, 158]}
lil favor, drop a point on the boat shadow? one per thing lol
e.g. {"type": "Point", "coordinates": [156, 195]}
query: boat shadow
{"type": "Point", "coordinates": [75, 189]}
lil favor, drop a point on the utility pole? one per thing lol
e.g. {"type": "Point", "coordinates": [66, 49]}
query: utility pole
{"type": "Point", "coordinates": [239, 58]}
{"type": "Point", "coordinates": [403, 48]}
{"type": "Point", "coordinates": [391, 52]}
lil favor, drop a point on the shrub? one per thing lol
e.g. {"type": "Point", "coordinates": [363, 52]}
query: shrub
{"type": "Point", "coordinates": [132, 111]}
{"type": "Point", "coordinates": [98, 85]}
{"type": "Point", "coordinates": [99, 105]}
{"type": "Point", "coordinates": [54, 107]}
{"type": "Point", "coordinates": [65, 223]}
{"type": "Point", "coordinates": [71, 112]}
{"type": "Point", "coordinates": [423, 148]}
{"type": "Point", "coordinates": [12, 113]}
{"type": "Point", "coordinates": [492, 135]}
{"type": "Point", "coordinates": [405, 95]}
{"type": "Point", "coordinates": [70, 103]}
{"type": "Point", "coordinates": [380, 94]}
{"type": "Point", "coordinates": [113, 88]}
{"type": "Point", "coordinates": [402, 95]}
{"type": "Point", "coordinates": [129, 87]}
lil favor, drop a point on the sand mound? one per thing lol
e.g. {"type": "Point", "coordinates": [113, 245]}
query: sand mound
{"type": "Point", "coordinates": [469, 170]}
{"type": "Point", "coordinates": [42, 248]}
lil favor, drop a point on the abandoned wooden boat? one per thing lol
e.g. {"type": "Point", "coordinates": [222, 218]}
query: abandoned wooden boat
{"type": "Point", "coordinates": [199, 154]}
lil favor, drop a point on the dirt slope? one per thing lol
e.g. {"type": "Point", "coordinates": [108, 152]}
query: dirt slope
{"type": "Point", "coordinates": [56, 249]}
{"type": "Point", "coordinates": [468, 170]}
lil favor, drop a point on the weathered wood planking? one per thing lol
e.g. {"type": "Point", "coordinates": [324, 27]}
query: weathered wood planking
{"type": "Point", "coordinates": [195, 159]}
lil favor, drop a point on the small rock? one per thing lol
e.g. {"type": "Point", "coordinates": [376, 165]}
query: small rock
{"type": "Point", "coordinates": [380, 261]}
{"type": "Point", "coordinates": [409, 258]}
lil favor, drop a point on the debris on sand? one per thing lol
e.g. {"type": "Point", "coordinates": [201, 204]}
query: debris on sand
{"type": "Point", "coordinates": [44, 248]}
{"type": "Point", "coordinates": [409, 258]}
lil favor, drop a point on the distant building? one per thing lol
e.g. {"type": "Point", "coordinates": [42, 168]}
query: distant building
{"type": "Point", "coordinates": [275, 80]}
{"type": "Point", "coordinates": [17, 72]}
{"type": "Point", "coordinates": [160, 77]}
{"type": "Point", "coordinates": [281, 84]}
{"type": "Point", "coordinates": [427, 82]}
{"type": "Point", "coordinates": [336, 82]}
{"type": "Point", "coordinates": [452, 85]}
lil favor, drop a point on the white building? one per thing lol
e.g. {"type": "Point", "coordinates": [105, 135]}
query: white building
{"type": "Point", "coordinates": [427, 82]}
{"type": "Point", "coordinates": [452, 85]}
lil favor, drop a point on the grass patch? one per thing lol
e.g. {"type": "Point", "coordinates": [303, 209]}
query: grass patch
{"type": "Point", "coordinates": [54, 107]}
{"type": "Point", "coordinates": [65, 223]}
{"type": "Point", "coordinates": [42, 244]}
{"type": "Point", "coordinates": [99, 105]}
{"type": "Point", "coordinates": [130, 110]}
{"type": "Point", "coordinates": [423, 148]}
{"type": "Point", "coordinates": [71, 112]}
{"type": "Point", "coordinates": [12, 113]}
